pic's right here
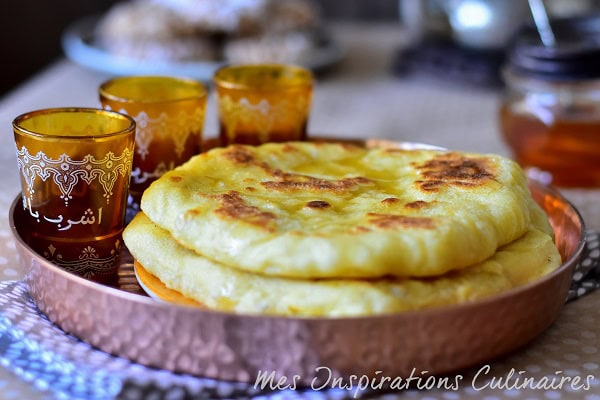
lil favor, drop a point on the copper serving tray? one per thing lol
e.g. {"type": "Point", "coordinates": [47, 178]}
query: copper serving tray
{"type": "Point", "coordinates": [236, 347]}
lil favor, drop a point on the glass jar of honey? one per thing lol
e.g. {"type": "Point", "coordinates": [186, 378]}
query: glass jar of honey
{"type": "Point", "coordinates": [550, 115]}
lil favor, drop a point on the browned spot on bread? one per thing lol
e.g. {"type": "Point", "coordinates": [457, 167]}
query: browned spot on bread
{"type": "Point", "coordinates": [239, 155]}
{"type": "Point", "coordinates": [250, 189]}
{"type": "Point", "coordinates": [391, 221]}
{"type": "Point", "coordinates": [416, 205]}
{"type": "Point", "coordinates": [430, 186]}
{"type": "Point", "coordinates": [288, 148]}
{"type": "Point", "coordinates": [350, 145]}
{"type": "Point", "coordinates": [276, 172]}
{"type": "Point", "coordinates": [193, 212]}
{"type": "Point", "coordinates": [390, 201]}
{"type": "Point", "coordinates": [175, 178]}
{"type": "Point", "coordinates": [318, 204]}
{"type": "Point", "coordinates": [233, 206]}
{"type": "Point", "coordinates": [454, 169]}
{"type": "Point", "coordinates": [392, 150]}
{"type": "Point", "coordinates": [291, 182]}
{"type": "Point", "coordinates": [361, 229]}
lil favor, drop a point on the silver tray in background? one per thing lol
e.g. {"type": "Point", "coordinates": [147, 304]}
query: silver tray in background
{"type": "Point", "coordinates": [79, 46]}
{"type": "Point", "coordinates": [228, 346]}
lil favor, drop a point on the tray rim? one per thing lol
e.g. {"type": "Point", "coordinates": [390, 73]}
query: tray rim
{"type": "Point", "coordinates": [292, 344]}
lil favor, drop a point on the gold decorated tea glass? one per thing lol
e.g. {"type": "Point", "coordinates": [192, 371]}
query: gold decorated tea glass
{"type": "Point", "coordinates": [75, 166]}
{"type": "Point", "coordinates": [169, 113]}
{"type": "Point", "coordinates": [261, 103]}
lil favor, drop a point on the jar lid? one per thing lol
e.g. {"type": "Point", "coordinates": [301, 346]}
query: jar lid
{"type": "Point", "coordinates": [575, 56]}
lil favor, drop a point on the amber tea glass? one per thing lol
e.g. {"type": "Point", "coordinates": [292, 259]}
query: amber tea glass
{"type": "Point", "coordinates": [169, 113]}
{"type": "Point", "coordinates": [75, 167]}
{"type": "Point", "coordinates": [261, 103]}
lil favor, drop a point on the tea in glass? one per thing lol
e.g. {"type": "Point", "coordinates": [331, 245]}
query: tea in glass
{"type": "Point", "coordinates": [75, 166]}
{"type": "Point", "coordinates": [169, 113]}
{"type": "Point", "coordinates": [261, 103]}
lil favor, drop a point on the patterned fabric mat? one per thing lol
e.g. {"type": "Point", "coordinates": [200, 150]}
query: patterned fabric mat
{"type": "Point", "coordinates": [67, 368]}
{"type": "Point", "coordinates": [586, 276]}
{"type": "Point", "coordinates": [40, 353]}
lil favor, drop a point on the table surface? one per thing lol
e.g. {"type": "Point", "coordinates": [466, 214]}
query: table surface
{"type": "Point", "coordinates": [359, 98]}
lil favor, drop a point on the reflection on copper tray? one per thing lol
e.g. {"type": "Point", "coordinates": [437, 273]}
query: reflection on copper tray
{"type": "Point", "coordinates": [237, 347]}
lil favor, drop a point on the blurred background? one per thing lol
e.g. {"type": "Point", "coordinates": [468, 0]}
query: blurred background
{"type": "Point", "coordinates": [30, 30]}
{"type": "Point", "coordinates": [436, 29]}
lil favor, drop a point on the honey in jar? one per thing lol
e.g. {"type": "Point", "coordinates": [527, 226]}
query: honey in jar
{"type": "Point", "coordinates": [550, 116]}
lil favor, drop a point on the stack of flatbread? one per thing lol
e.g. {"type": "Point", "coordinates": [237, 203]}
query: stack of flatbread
{"type": "Point", "coordinates": [334, 229]}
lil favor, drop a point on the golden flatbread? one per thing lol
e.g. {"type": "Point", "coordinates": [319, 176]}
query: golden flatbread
{"type": "Point", "coordinates": [326, 210]}
{"type": "Point", "coordinates": [219, 287]}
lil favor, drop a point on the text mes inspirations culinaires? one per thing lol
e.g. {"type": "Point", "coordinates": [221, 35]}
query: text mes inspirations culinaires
{"type": "Point", "coordinates": [481, 380]}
